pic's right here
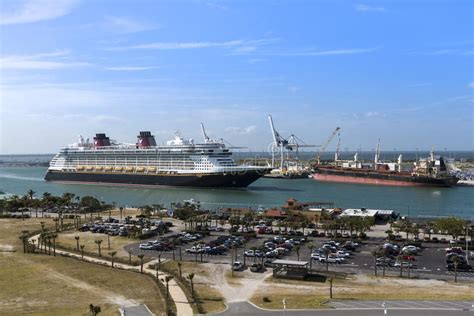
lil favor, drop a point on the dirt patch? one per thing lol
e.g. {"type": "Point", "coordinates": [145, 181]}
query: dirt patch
{"type": "Point", "coordinates": [108, 296]}
{"type": "Point", "coordinates": [7, 248]}
{"type": "Point", "coordinates": [237, 292]}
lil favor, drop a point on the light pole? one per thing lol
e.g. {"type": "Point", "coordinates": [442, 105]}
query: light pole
{"type": "Point", "coordinates": [284, 306]}
{"type": "Point", "coordinates": [467, 243]}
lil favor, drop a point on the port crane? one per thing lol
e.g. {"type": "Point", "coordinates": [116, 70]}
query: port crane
{"type": "Point", "coordinates": [326, 144]}
{"type": "Point", "coordinates": [293, 143]}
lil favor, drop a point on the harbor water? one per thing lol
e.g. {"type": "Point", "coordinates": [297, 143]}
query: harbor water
{"type": "Point", "coordinates": [415, 201]}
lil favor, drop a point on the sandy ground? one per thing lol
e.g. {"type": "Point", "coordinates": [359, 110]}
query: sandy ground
{"type": "Point", "coordinates": [108, 296]}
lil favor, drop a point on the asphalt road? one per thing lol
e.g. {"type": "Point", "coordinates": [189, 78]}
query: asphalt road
{"type": "Point", "coordinates": [405, 309]}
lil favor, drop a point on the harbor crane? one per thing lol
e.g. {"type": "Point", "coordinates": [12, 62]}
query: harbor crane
{"type": "Point", "coordinates": [326, 144]}
{"type": "Point", "coordinates": [281, 144]}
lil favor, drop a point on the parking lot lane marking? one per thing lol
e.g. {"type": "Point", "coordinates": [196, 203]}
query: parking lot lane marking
{"type": "Point", "coordinates": [418, 304]}
{"type": "Point", "coordinates": [458, 305]}
{"type": "Point", "coordinates": [339, 304]}
{"type": "Point", "coordinates": [360, 304]}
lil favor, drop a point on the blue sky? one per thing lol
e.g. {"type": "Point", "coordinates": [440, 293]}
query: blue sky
{"type": "Point", "coordinates": [401, 71]}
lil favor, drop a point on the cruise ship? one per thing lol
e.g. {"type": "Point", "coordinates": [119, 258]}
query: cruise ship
{"type": "Point", "coordinates": [179, 162]}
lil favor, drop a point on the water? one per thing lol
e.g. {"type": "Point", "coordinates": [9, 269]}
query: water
{"type": "Point", "coordinates": [419, 201]}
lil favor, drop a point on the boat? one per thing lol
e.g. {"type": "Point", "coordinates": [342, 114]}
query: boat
{"type": "Point", "coordinates": [179, 162]}
{"type": "Point", "coordinates": [431, 171]}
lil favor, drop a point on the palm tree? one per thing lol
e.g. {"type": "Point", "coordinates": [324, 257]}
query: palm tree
{"type": "Point", "coordinates": [98, 242]}
{"type": "Point", "coordinates": [77, 242]}
{"type": "Point", "coordinates": [24, 239]}
{"type": "Point", "coordinates": [31, 194]}
{"type": "Point", "coordinates": [82, 251]}
{"type": "Point", "coordinates": [330, 288]}
{"type": "Point", "coordinates": [310, 247]}
{"type": "Point", "coordinates": [112, 255]}
{"type": "Point", "coordinates": [326, 255]}
{"type": "Point", "coordinates": [297, 250]}
{"type": "Point", "coordinates": [384, 255]}
{"type": "Point", "coordinates": [254, 249]}
{"type": "Point", "coordinates": [95, 310]}
{"type": "Point", "coordinates": [455, 264]}
{"type": "Point", "coordinates": [54, 236]}
{"type": "Point", "coordinates": [140, 256]}
{"type": "Point", "coordinates": [191, 277]}
{"type": "Point", "coordinates": [400, 260]}
{"type": "Point", "coordinates": [375, 254]}
{"type": "Point", "coordinates": [180, 271]}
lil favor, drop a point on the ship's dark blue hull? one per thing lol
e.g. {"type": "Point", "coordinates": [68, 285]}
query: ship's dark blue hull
{"type": "Point", "coordinates": [224, 180]}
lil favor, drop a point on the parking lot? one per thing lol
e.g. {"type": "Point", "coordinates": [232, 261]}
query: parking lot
{"type": "Point", "coordinates": [429, 261]}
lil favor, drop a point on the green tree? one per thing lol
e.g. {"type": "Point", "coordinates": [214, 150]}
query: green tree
{"type": "Point", "coordinates": [77, 242]}
{"type": "Point", "coordinates": [24, 239]}
{"type": "Point", "coordinates": [191, 277]}
{"type": "Point", "coordinates": [94, 309]}
{"type": "Point", "coordinates": [82, 251]}
{"type": "Point", "coordinates": [141, 256]}
{"type": "Point", "coordinates": [112, 256]}
{"type": "Point", "coordinates": [451, 225]}
{"type": "Point", "coordinates": [455, 264]}
{"type": "Point", "coordinates": [98, 242]}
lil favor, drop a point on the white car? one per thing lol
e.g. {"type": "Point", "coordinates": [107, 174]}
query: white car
{"type": "Point", "coordinates": [343, 254]}
{"type": "Point", "coordinates": [315, 256]}
{"type": "Point", "coordinates": [146, 247]}
{"type": "Point", "coordinates": [237, 266]}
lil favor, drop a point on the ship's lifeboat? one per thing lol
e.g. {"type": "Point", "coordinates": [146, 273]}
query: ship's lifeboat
{"type": "Point", "coordinates": [108, 168]}
{"type": "Point", "coordinates": [99, 168]}
{"type": "Point", "coordinates": [80, 168]}
{"type": "Point", "coordinates": [129, 169]}
{"type": "Point", "coordinates": [151, 169]}
{"type": "Point", "coordinates": [118, 168]}
{"type": "Point", "coordinates": [140, 169]}
{"type": "Point", "coordinates": [89, 168]}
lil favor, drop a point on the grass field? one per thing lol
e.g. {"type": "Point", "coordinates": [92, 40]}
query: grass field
{"type": "Point", "coordinates": [88, 239]}
{"type": "Point", "coordinates": [34, 284]}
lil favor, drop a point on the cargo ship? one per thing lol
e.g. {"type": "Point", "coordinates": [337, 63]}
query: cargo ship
{"type": "Point", "coordinates": [179, 162]}
{"type": "Point", "coordinates": [431, 171]}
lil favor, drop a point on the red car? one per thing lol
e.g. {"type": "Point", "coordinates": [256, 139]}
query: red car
{"type": "Point", "coordinates": [408, 258]}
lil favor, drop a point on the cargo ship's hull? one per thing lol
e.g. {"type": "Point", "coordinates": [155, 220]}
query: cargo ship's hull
{"type": "Point", "coordinates": [210, 180]}
{"type": "Point", "coordinates": [380, 178]}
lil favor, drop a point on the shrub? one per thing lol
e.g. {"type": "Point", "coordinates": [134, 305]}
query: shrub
{"type": "Point", "coordinates": [266, 299]}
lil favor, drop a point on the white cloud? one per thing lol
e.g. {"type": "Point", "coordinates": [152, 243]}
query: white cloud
{"type": "Point", "coordinates": [471, 85]}
{"type": "Point", "coordinates": [368, 8]}
{"type": "Point", "coordinates": [235, 46]}
{"type": "Point", "coordinates": [31, 11]}
{"type": "Point", "coordinates": [333, 52]}
{"type": "Point", "coordinates": [129, 68]}
{"type": "Point", "coordinates": [42, 61]}
{"type": "Point", "coordinates": [374, 114]}
{"type": "Point", "coordinates": [125, 25]}
{"type": "Point", "coordinates": [241, 130]}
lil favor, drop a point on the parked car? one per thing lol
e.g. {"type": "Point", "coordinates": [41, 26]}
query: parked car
{"type": "Point", "coordinates": [256, 267]}
{"type": "Point", "coordinates": [237, 266]}
{"type": "Point", "coordinates": [146, 247]}
{"type": "Point", "coordinates": [330, 259]}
